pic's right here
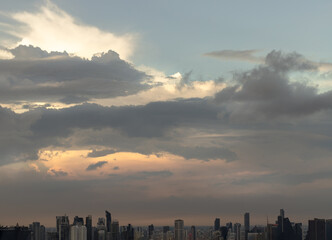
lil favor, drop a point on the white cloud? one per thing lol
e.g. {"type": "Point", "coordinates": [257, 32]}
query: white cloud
{"type": "Point", "coordinates": [165, 88]}
{"type": "Point", "coordinates": [52, 29]}
{"type": "Point", "coordinates": [5, 54]}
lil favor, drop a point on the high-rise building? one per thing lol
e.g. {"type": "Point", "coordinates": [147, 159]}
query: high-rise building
{"type": "Point", "coordinates": [17, 233]}
{"type": "Point", "coordinates": [272, 232]}
{"type": "Point", "coordinates": [108, 221]}
{"type": "Point", "coordinates": [192, 234]}
{"type": "Point", "coordinates": [101, 229]}
{"type": "Point", "coordinates": [151, 231]}
{"type": "Point", "coordinates": [62, 224]}
{"type": "Point", "coordinates": [179, 229]}
{"type": "Point", "coordinates": [42, 232]}
{"type": "Point", "coordinates": [237, 231]}
{"type": "Point", "coordinates": [78, 232]}
{"type": "Point", "coordinates": [78, 220]}
{"type": "Point", "coordinates": [328, 229]}
{"type": "Point", "coordinates": [282, 215]}
{"type": "Point", "coordinates": [287, 230]}
{"type": "Point", "coordinates": [52, 236]}
{"type": "Point", "coordinates": [217, 224]}
{"type": "Point", "coordinates": [316, 230]}
{"type": "Point", "coordinates": [115, 230]}
{"type": "Point", "coordinates": [229, 225]}
{"type": "Point", "coordinates": [88, 224]}
{"type": "Point", "coordinates": [246, 224]}
{"type": "Point", "coordinates": [35, 231]}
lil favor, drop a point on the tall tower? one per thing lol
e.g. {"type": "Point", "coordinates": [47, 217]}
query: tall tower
{"type": "Point", "coordinates": [246, 224]}
{"type": "Point", "coordinates": [217, 224]}
{"type": "Point", "coordinates": [36, 231]}
{"type": "Point", "coordinates": [115, 230]}
{"type": "Point", "coordinates": [237, 231]}
{"type": "Point", "coordinates": [108, 221]}
{"type": "Point", "coordinates": [193, 232]}
{"type": "Point", "coordinates": [62, 225]}
{"type": "Point", "coordinates": [179, 230]}
{"type": "Point", "coordinates": [282, 216]}
{"type": "Point", "coordinates": [88, 224]}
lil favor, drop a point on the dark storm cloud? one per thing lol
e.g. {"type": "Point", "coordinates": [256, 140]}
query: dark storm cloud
{"type": "Point", "coordinates": [241, 55]}
{"type": "Point", "coordinates": [96, 165]}
{"type": "Point", "coordinates": [36, 75]}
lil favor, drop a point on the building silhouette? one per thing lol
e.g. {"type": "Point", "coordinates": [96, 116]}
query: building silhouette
{"type": "Point", "coordinates": [35, 231]}
{"type": "Point", "coordinates": [217, 224]}
{"type": "Point", "coordinates": [192, 235]}
{"type": "Point", "coordinates": [178, 229]}
{"type": "Point", "coordinates": [237, 231]}
{"type": "Point", "coordinates": [62, 225]}
{"type": "Point", "coordinates": [115, 230]}
{"type": "Point", "coordinates": [316, 230]}
{"type": "Point", "coordinates": [15, 233]}
{"type": "Point", "coordinates": [88, 224]}
{"type": "Point", "coordinates": [246, 224]}
{"type": "Point", "coordinates": [150, 231]}
{"type": "Point", "coordinates": [78, 220]}
{"type": "Point", "coordinates": [78, 232]}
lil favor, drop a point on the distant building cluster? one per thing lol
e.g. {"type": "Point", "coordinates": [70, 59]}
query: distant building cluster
{"type": "Point", "coordinates": [109, 229]}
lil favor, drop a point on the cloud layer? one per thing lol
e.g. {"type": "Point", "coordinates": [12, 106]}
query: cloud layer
{"type": "Point", "coordinates": [34, 75]}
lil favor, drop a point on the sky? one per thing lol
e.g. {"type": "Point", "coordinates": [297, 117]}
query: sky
{"type": "Point", "coordinates": [159, 110]}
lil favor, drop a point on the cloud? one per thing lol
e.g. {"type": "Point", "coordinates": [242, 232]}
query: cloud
{"type": "Point", "coordinates": [100, 153]}
{"type": "Point", "coordinates": [144, 175]}
{"type": "Point", "coordinates": [267, 91]}
{"type": "Point", "coordinates": [53, 29]}
{"type": "Point", "coordinates": [233, 55]}
{"type": "Point", "coordinates": [4, 54]}
{"type": "Point", "coordinates": [96, 165]}
{"type": "Point", "coordinates": [202, 153]}
{"type": "Point", "coordinates": [40, 76]}
{"type": "Point", "coordinates": [58, 173]}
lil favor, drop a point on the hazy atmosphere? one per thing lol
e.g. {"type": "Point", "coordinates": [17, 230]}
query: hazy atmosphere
{"type": "Point", "coordinates": [157, 110]}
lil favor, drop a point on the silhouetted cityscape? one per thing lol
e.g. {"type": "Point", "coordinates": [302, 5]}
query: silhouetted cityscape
{"type": "Point", "coordinates": [108, 228]}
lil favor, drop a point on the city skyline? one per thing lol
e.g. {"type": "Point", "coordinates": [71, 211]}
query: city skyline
{"type": "Point", "coordinates": [109, 229]}
{"type": "Point", "coordinates": [163, 110]}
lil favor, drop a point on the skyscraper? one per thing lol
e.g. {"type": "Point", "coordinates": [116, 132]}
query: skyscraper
{"type": "Point", "coordinates": [115, 230]}
{"type": "Point", "coordinates": [62, 225]}
{"type": "Point", "coordinates": [78, 232]}
{"type": "Point", "coordinates": [328, 228]}
{"type": "Point", "coordinates": [316, 230]}
{"type": "Point", "coordinates": [217, 224]}
{"type": "Point", "coordinates": [179, 230]}
{"type": "Point", "coordinates": [78, 220]}
{"type": "Point", "coordinates": [35, 228]}
{"type": "Point", "coordinates": [246, 224]}
{"type": "Point", "coordinates": [108, 221]}
{"type": "Point", "coordinates": [282, 215]}
{"type": "Point", "coordinates": [192, 233]}
{"type": "Point", "coordinates": [237, 231]}
{"type": "Point", "coordinates": [151, 231]}
{"type": "Point", "coordinates": [88, 224]}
